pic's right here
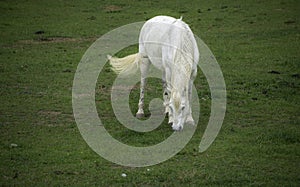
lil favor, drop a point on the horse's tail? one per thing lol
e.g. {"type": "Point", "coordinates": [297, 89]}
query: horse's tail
{"type": "Point", "coordinates": [126, 65]}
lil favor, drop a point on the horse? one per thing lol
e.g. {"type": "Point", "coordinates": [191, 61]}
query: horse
{"type": "Point", "coordinates": [168, 44]}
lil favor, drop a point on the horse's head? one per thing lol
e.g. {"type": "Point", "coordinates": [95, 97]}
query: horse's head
{"type": "Point", "coordinates": [178, 109]}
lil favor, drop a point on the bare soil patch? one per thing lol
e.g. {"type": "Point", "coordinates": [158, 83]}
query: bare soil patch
{"type": "Point", "coordinates": [55, 40]}
{"type": "Point", "coordinates": [113, 8]}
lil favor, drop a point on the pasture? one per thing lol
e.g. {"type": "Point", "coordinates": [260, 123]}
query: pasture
{"type": "Point", "coordinates": [257, 47]}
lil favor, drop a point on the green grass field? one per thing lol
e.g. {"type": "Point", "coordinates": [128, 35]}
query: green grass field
{"type": "Point", "coordinates": [255, 42]}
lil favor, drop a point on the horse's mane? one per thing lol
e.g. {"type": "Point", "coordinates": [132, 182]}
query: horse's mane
{"type": "Point", "coordinates": [184, 55]}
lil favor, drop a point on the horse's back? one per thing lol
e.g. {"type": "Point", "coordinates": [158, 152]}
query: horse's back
{"type": "Point", "coordinates": [160, 37]}
{"type": "Point", "coordinates": [160, 30]}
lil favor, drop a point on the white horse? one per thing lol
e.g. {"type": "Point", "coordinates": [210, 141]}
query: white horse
{"type": "Point", "coordinates": [169, 45]}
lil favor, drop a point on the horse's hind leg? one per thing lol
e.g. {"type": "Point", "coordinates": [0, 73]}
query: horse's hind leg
{"type": "Point", "coordinates": [144, 71]}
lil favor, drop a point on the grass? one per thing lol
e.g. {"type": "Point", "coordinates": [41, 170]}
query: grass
{"type": "Point", "coordinates": [255, 42]}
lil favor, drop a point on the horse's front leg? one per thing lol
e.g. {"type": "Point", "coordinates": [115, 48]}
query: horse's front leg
{"type": "Point", "coordinates": [166, 79]}
{"type": "Point", "coordinates": [189, 119]}
{"type": "Point", "coordinates": [144, 71]}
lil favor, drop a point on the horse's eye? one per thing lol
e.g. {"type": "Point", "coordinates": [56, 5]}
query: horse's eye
{"type": "Point", "coordinates": [183, 108]}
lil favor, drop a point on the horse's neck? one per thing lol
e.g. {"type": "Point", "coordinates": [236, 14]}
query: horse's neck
{"type": "Point", "coordinates": [179, 81]}
{"type": "Point", "coordinates": [183, 57]}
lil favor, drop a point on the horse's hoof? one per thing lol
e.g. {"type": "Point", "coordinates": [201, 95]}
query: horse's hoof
{"type": "Point", "coordinates": [190, 122]}
{"type": "Point", "coordinates": [139, 115]}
